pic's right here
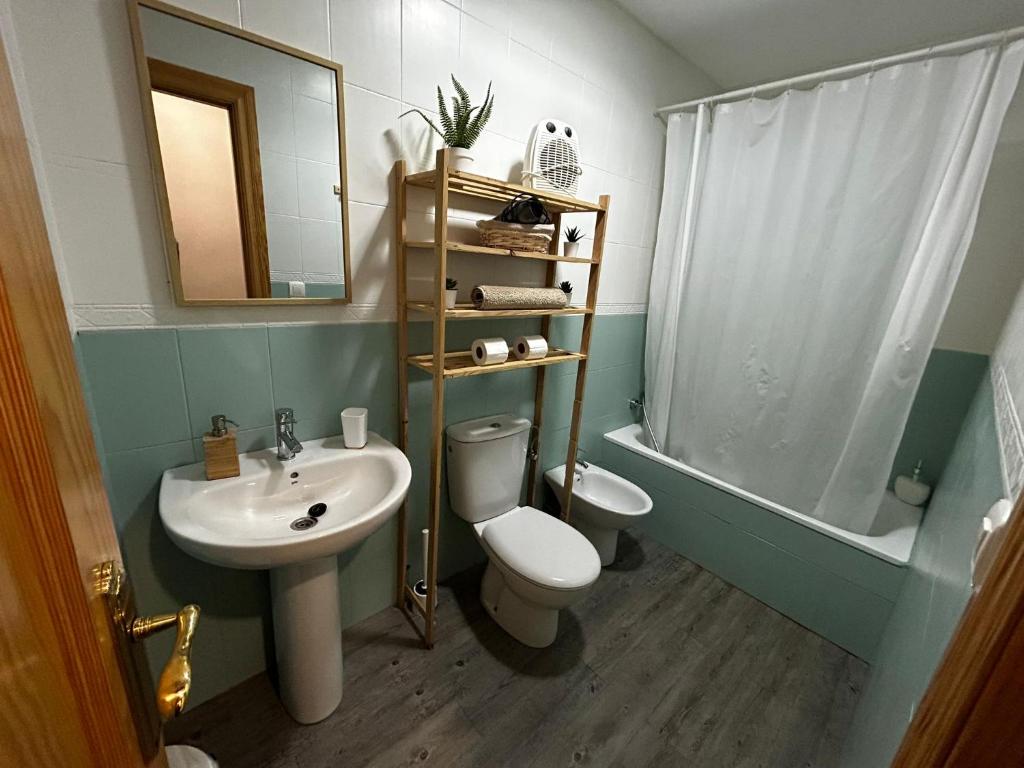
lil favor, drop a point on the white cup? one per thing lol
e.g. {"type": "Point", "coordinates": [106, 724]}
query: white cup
{"type": "Point", "coordinates": [353, 427]}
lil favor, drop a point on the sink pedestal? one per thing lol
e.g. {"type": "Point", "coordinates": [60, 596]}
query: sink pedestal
{"type": "Point", "coordinates": [307, 636]}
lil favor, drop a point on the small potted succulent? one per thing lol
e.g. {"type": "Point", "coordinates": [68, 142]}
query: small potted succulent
{"type": "Point", "coordinates": [572, 242]}
{"type": "Point", "coordinates": [566, 287]}
{"type": "Point", "coordinates": [450, 292]}
{"type": "Point", "coordinates": [462, 125]}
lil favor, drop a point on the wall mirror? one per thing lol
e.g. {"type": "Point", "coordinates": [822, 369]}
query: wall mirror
{"type": "Point", "coordinates": [247, 141]}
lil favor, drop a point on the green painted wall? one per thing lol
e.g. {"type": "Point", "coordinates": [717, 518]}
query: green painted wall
{"type": "Point", "coordinates": [935, 592]}
{"type": "Point", "coordinates": [152, 392]}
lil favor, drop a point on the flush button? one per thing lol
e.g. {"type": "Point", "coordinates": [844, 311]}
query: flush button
{"type": "Point", "coordinates": [317, 509]}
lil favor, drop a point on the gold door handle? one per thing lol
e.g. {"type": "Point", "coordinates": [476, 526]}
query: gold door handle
{"type": "Point", "coordinates": [176, 679]}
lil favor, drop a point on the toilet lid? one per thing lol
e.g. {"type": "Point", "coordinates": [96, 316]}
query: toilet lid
{"type": "Point", "coordinates": [543, 549]}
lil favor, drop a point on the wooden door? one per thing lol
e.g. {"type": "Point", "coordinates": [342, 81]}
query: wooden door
{"type": "Point", "coordinates": [74, 691]}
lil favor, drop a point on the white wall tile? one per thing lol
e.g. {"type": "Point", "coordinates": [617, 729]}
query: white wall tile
{"type": "Point", "coordinates": [373, 274]}
{"type": "Point", "coordinates": [316, 129]}
{"type": "Point", "coordinates": [494, 13]}
{"type": "Point", "coordinates": [277, 120]}
{"type": "Point", "coordinates": [81, 79]}
{"type": "Point", "coordinates": [221, 10]}
{"type": "Point", "coordinates": [283, 243]}
{"type": "Point", "coordinates": [316, 191]}
{"type": "Point", "coordinates": [521, 93]}
{"type": "Point", "coordinates": [312, 80]}
{"type": "Point", "coordinates": [321, 247]}
{"type": "Point", "coordinates": [299, 23]}
{"type": "Point", "coordinates": [373, 144]}
{"type": "Point", "coordinates": [601, 63]}
{"type": "Point", "coordinates": [109, 228]}
{"type": "Point", "coordinates": [530, 24]}
{"type": "Point", "coordinates": [483, 60]}
{"type": "Point", "coordinates": [596, 111]}
{"type": "Point", "coordinates": [280, 187]}
{"type": "Point", "coordinates": [366, 38]}
{"type": "Point", "coordinates": [430, 50]}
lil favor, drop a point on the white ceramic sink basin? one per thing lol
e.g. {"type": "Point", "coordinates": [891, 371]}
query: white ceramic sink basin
{"type": "Point", "coordinates": [250, 521]}
{"type": "Point", "coordinates": [245, 521]}
{"type": "Point", "coordinates": [602, 504]}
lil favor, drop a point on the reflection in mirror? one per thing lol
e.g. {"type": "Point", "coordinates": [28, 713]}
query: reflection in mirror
{"type": "Point", "coordinates": [251, 148]}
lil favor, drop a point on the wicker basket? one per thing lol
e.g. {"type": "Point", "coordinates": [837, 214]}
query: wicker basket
{"type": "Point", "coordinates": [515, 237]}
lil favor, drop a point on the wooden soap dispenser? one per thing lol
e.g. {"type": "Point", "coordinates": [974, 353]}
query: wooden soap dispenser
{"type": "Point", "coordinates": [220, 447]}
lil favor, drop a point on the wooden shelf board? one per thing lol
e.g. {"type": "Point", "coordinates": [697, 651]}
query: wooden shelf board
{"type": "Point", "coordinates": [466, 311]}
{"type": "Point", "coordinates": [459, 364]}
{"type": "Point", "coordinates": [468, 248]}
{"type": "Point", "coordinates": [495, 189]}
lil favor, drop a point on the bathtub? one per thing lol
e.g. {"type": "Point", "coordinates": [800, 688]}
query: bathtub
{"type": "Point", "coordinates": [892, 536]}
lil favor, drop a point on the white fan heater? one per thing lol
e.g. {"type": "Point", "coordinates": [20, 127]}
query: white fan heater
{"type": "Point", "coordinates": [553, 158]}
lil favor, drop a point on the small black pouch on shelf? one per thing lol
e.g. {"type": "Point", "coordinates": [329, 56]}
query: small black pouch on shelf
{"type": "Point", "coordinates": [524, 209]}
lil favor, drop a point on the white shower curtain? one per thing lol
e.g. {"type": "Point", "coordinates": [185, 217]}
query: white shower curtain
{"type": "Point", "coordinates": [803, 268]}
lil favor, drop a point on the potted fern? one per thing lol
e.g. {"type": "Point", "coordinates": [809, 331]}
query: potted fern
{"type": "Point", "coordinates": [572, 242]}
{"type": "Point", "coordinates": [450, 292]}
{"type": "Point", "coordinates": [462, 125]}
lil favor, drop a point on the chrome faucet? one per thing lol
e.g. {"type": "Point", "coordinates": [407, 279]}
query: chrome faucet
{"type": "Point", "coordinates": [578, 469]}
{"type": "Point", "coordinates": [287, 445]}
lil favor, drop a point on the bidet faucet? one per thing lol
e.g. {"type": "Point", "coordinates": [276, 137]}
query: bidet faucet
{"type": "Point", "coordinates": [577, 470]}
{"type": "Point", "coordinates": [287, 445]}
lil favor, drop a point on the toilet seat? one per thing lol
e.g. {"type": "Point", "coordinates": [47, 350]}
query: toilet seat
{"type": "Point", "coordinates": [540, 549]}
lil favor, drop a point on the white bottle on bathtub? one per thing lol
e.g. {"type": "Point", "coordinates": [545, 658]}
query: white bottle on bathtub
{"type": "Point", "coordinates": [912, 490]}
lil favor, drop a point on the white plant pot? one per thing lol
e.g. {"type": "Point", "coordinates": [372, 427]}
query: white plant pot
{"type": "Point", "coordinates": [462, 160]}
{"type": "Point", "coordinates": [568, 299]}
{"type": "Point", "coordinates": [449, 298]}
{"type": "Point", "coordinates": [570, 249]}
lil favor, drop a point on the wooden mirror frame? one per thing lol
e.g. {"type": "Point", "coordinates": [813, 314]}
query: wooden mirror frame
{"type": "Point", "coordinates": [156, 159]}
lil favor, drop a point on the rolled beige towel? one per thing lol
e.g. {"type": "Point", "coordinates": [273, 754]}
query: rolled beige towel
{"type": "Point", "coordinates": [517, 297]}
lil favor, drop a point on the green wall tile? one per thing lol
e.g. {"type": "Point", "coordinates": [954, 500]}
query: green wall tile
{"type": "Point", "coordinates": [317, 370]}
{"type": "Point", "coordinates": [227, 370]}
{"type": "Point", "coordinates": [935, 592]}
{"type": "Point", "coordinates": [947, 388]}
{"type": "Point", "coordinates": [135, 382]}
{"type": "Point", "coordinates": [320, 369]}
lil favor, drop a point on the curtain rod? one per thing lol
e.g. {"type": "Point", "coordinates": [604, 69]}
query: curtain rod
{"type": "Point", "coordinates": [850, 70]}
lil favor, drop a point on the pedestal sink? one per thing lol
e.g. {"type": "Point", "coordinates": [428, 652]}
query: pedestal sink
{"type": "Point", "coordinates": [293, 518]}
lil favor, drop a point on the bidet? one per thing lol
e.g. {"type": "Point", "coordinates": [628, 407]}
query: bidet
{"type": "Point", "coordinates": [602, 504]}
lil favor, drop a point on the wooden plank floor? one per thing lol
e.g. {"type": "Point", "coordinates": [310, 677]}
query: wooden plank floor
{"type": "Point", "coordinates": [663, 664]}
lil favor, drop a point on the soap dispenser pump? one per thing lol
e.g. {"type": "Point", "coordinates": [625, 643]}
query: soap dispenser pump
{"type": "Point", "coordinates": [912, 490]}
{"type": "Point", "coordinates": [220, 448]}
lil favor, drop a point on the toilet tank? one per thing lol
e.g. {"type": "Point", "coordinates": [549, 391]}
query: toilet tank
{"type": "Point", "coordinates": [486, 464]}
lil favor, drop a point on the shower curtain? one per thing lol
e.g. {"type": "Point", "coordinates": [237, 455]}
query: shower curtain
{"type": "Point", "coordinates": [808, 246]}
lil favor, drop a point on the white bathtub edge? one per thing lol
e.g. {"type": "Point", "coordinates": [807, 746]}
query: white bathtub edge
{"type": "Point", "coordinates": [892, 548]}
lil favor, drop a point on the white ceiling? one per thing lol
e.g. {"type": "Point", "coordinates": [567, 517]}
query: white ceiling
{"type": "Point", "coordinates": [743, 42]}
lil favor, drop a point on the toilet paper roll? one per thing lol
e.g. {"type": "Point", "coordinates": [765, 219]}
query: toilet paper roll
{"type": "Point", "coordinates": [489, 351]}
{"type": "Point", "coordinates": [530, 348]}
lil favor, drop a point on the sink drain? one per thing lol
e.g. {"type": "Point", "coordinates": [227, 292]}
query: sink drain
{"type": "Point", "coordinates": [303, 523]}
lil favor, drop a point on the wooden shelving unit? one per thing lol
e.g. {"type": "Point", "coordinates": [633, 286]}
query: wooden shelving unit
{"type": "Point", "coordinates": [445, 181]}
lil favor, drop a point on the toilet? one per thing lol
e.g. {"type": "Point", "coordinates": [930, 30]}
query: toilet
{"type": "Point", "coordinates": [536, 564]}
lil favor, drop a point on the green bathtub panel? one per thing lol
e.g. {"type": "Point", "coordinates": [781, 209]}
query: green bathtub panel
{"type": "Point", "coordinates": [843, 612]}
{"type": "Point", "coordinates": [847, 562]}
